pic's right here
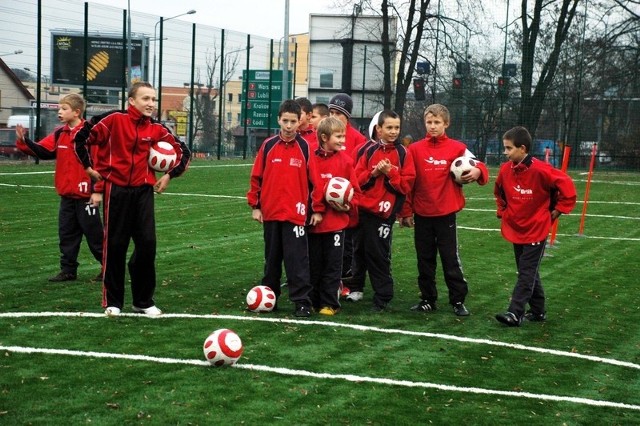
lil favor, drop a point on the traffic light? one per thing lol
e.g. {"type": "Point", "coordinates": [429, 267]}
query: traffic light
{"type": "Point", "coordinates": [419, 89]}
{"type": "Point", "coordinates": [458, 85]}
{"type": "Point", "coordinates": [503, 87]}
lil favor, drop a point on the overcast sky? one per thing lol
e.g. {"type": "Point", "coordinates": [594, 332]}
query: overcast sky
{"type": "Point", "coordinates": [259, 17]}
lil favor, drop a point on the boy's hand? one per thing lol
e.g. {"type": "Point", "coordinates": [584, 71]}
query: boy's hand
{"type": "Point", "coordinates": [94, 175]}
{"type": "Point", "coordinates": [384, 166]}
{"type": "Point", "coordinates": [340, 207]}
{"type": "Point", "coordinates": [95, 199]}
{"type": "Point", "coordinates": [162, 183]}
{"type": "Point", "coordinates": [256, 214]}
{"type": "Point", "coordinates": [555, 214]}
{"type": "Point", "coordinates": [20, 132]}
{"type": "Point", "coordinates": [316, 218]}
{"type": "Point", "coordinates": [471, 176]}
{"type": "Point", "coordinates": [406, 222]}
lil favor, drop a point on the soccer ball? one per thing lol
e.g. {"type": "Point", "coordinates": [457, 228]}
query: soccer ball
{"type": "Point", "coordinates": [338, 189]}
{"type": "Point", "coordinates": [162, 157]}
{"type": "Point", "coordinates": [460, 167]}
{"type": "Point", "coordinates": [222, 347]}
{"type": "Point", "coordinates": [261, 299]}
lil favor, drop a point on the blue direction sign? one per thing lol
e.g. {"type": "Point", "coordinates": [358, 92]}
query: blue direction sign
{"type": "Point", "coordinates": [262, 95]}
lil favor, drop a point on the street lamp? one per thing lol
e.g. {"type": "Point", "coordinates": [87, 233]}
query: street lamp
{"type": "Point", "coordinates": [15, 52]}
{"type": "Point", "coordinates": [42, 77]}
{"type": "Point", "coordinates": [155, 39]}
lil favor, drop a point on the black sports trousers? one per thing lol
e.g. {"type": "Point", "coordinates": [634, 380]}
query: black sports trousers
{"type": "Point", "coordinates": [75, 219]}
{"type": "Point", "coordinates": [129, 216]}
{"type": "Point", "coordinates": [372, 254]}
{"type": "Point", "coordinates": [528, 288]}
{"type": "Point", "coordinates": [433, 235]}
{"type": "Point", "coordinates": [286, 242]}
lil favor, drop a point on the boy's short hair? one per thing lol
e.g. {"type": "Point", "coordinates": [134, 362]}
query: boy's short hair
{"type": "Point", "coordinates": [438, 110]}
{"type": "Point", "coordinates": [290, 106]}
{"type": "Point", "coordinates": [75, 101]}
{"type": "Point", "coordinates": [133, 90]}
{"type": "Point", "coordinates": [520, 136]}
{"type": "Point", "coordinates": [305, 105]}
{"type": "Point", "coordinates": [387, 113]}
{"type": "Point", "coordinates": [329, 126]}
{"type": "Point", "coordinates": [323, 109]}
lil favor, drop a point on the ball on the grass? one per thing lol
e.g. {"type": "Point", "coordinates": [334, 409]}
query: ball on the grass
{"type": "Point", "coordinates": [222, 347]}
{"type": "Point", "coordinates": [261, 299]}
{"type": "Point", "coordinates": [338, 189]}
{"type": "Point", "coordinates": [162, 156]}
{"type": "Point", "coordinates": [461, 166]}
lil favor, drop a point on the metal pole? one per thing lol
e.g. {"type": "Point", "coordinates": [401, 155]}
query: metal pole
{"type": "Point", "coordinates": [193, 67]}
{"type": "Point", "coordinates": [245, 83]}
{"type": "Point", "coordinates": [364, 75]}
{"type": "Point", "coordinates": [129, 41]}
{"type": "Point", "coordinates": [220, 93]}
{"type": "Point", "coordinates": [285, 54]}
{"type": "Point", "coordinates": [435, 63]}
{"type": "Point", "coordinates": [504, 62]}
{"type": "Point", "coordinates": [159, 88]}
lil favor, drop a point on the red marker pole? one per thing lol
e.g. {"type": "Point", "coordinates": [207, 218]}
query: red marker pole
{"type": "Point", "coordinates": [565, 166]}
{"type": "Point", "coordinates": [586, 191]}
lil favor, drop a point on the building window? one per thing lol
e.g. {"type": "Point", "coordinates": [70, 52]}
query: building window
{"type": "Point", "coordinates": [229, 117]}
{"type": "Point", "coordinates": [326, 79]}
{"type": "Point", "coordinates": [230, 96]}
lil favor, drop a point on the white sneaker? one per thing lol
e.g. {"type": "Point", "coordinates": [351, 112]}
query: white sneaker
{"type": "Point", "coordinates": [112, 311]}
{"type": "Point", "coordinates": [152, 311]}
{"type": "Point", "coordinates": [355, 296]}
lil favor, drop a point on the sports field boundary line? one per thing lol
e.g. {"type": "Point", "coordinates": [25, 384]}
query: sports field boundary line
{"type": "Point", "coordinates": [357, 327]}
{"type": "Point", "coordinates": [345, 377]}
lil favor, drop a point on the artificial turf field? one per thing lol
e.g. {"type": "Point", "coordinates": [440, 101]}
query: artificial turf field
{"type": "Point", "coordinates": [64, 362]}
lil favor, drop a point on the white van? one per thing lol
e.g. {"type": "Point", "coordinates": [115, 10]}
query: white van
{"type": "Point", "coordinates": [26, 121]}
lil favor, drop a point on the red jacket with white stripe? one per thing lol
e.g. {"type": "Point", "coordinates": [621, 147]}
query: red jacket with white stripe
{"type": "Point", "coordinates": [384, 195]}
{"type": "Point", "coordinates": [70, 178]}
{"type": "Point", "coordinates": [435, 193]}
{"type": "Point", "coordinates": [329, 165]}
{"type": "Point", "coordinates": [123, 141]}
{"type": "Point", "coordinates": [282, 179]}
{"type": "Point", "coordinates": [526, 194]}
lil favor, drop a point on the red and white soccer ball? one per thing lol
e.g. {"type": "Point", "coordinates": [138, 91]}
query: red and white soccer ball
{"type": "Point", "coordinates": [261, 299]}
{"type": "Point", "coordinates": [461, 166]}
{"type": "Point", "coordinates": [338, 189]}
{"type": "Point", "coordinates": [222, 347]}
{"type": "Point", "coordinates": [162, 156]}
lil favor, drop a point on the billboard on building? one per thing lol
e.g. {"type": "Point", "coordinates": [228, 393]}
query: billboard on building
{"type": "Point", "coordinates": [107, 59]}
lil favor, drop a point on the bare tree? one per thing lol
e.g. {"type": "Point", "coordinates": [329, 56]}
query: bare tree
{"type": "Point", "coordinates": [208, 89]}
{"type": "Point", "coordinates": [533, 96]}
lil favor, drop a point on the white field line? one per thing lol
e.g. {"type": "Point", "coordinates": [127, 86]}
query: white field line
{"type": "Point", "coordinates": [346, 377]}
{"type": "Point", "coordinates": [336, 324]}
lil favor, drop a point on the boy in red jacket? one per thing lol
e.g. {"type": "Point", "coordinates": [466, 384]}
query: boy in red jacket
{"type": "Point", "coordinates": [126, 183]}
{"type": "Point", "coordinates": [434, 202]}
{"type": "Point", "coordinates": [76, 217]}
{"type": "Point", "coordinates": [326, 240]}
{"type": "Point", "coordinates": [530, 195]}
{"type": "Point", "coordinates": [281, 176]}
{"type": "Point", "coordinates": [385, 173]}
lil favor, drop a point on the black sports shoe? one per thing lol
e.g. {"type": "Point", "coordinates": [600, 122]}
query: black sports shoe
{"type": "Point", "coordinates": [63, 276]}
{"type": "Point", "coordinates": [424, 306]}
{"type": "Point", "coordinates": [460, 310]}
{"type": "Point", "coordinates": [531, 316]}
{"type": "Point", "coordinates": [302, 311]}
{"type": "Point", "coordinates": [509, 319]}
{"type": "Point", "coordinates": [378, 309]}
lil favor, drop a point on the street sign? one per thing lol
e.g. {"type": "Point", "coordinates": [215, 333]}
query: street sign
{"type": "Point", "coordinates": [261, 99]}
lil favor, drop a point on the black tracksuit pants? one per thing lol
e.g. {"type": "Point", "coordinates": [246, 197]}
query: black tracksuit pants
{"type": "Point", "coordinates": [528, 289]}
{"type": "Point", "coordinates": [129, 215]}
{"type": "Point", "coordinates": [286, 242]}
{"type": "Point", "coordinates": [75, 219]}
{"type": "Point", "coordinates": [372, 253]}
{"type": "Point", "coordinates": [325, 262]}
{"type": "Point", "coordinates": [435, 235]}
